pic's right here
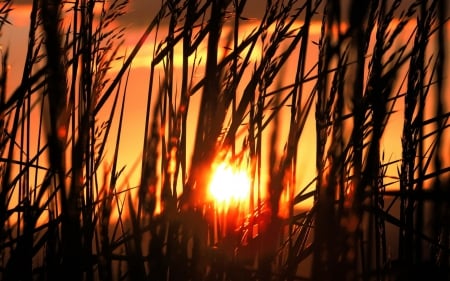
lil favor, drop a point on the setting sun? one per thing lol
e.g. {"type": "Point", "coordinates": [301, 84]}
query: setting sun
{"type": "Point", "coordinates": [229, 184]}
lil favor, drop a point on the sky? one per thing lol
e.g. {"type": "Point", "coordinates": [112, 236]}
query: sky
{"type": "Point", "coordinates": [140, 13]}
{"type": "Point", "coordinates": [137, 18]}
{"type": "Point", "coordinates": [138, 80]}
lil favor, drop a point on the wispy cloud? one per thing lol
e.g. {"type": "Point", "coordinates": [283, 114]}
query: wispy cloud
{"type": "Point", "coordinates": [144, 57]}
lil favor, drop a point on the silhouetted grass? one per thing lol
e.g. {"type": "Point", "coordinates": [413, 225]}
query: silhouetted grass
{"type": "Point", "coordinates": [259, 85]}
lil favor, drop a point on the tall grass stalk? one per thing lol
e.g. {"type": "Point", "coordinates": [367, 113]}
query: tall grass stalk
{"type": "Point", "coordinates": [272, 94]}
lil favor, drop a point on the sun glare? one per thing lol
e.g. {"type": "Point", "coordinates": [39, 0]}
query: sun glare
{"type": "Point", "coordinates": [229, 184]}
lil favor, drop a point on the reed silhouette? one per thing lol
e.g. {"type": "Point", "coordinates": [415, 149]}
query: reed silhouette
{"type": "Point", "coordinates": [374, 76]}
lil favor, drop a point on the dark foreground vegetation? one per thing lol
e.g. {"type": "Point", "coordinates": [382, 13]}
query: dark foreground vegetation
{"type": "Point", "coordinates": [64, 216]}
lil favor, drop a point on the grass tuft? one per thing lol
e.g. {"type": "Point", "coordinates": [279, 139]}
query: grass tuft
{"type": "Point", "coordinates": [337, 110]}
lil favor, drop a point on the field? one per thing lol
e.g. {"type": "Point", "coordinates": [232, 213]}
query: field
{"type": "Point", "coordinates": [225, 140]}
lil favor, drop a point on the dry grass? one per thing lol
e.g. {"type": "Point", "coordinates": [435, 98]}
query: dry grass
{"type": "Point", "coordinates": [368, 217]}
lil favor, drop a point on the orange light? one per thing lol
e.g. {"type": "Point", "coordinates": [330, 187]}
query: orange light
{"type": "Point", "coordinates": [229, 184]}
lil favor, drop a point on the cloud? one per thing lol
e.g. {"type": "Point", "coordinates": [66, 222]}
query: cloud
{"type": "Point", "coordinates": [23, 2]}
{"type": "Point", "coordinates": [141, 12]}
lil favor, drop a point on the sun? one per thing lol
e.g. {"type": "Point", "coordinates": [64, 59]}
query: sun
{"type": "Point", "coordinates": [229, 184]}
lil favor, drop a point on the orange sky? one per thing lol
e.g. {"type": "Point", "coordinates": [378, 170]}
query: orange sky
{"type": "Point", "coordinates": [131, 146]}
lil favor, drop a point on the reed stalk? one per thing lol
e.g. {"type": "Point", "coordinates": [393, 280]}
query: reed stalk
{"type": "Point", "coordinates": [259, 84]}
